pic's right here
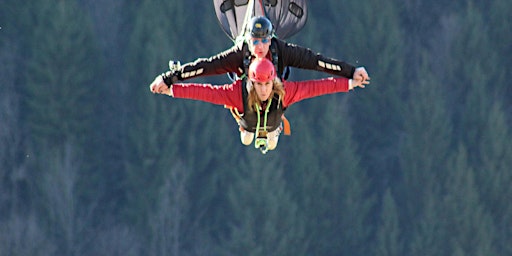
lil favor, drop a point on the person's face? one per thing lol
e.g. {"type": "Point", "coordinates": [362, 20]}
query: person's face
{"type": "Point", "coordinates": [263, 89]}
{"type": "Point", "coordinates": [259, 46]}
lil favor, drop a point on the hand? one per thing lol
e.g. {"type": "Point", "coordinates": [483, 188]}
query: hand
{"type": "Point", "coordinates": [358, 81]}
{"type": "Point", "coordinates": [361, 73]}
{"type": "Point", "coordinates": [158, 86]}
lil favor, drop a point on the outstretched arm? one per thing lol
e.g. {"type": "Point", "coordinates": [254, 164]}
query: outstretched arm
{"type": "Point", "coordinates": [300, 57]}
{"type": "Point", "coordinates": [297, 91]}
{"type": "Point", "coordinates": [228, 94]}
{"type": "Point", "coordinates": [228, 61]}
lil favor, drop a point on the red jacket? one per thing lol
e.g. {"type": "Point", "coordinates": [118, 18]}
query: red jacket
{"type": "Point", "coordinates": [231, 94]}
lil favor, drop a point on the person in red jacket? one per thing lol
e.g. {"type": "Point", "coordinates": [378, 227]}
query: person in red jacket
{"type": "Point", "coordinates": [260, 42]}
{"type": "Point", "coordinates": [261, 100]}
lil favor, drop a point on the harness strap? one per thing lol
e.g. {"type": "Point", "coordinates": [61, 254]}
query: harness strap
{"type": "Point", "coordinates": [261, 136]}
{"type": "Point", "coordinates": [234, 112]}
{"type": "Point", "coordinates": [286, 126]}
{"type": "Point", "coordinates": [275, 58]}
{"type": "Point", "coordinates": [265, 118]}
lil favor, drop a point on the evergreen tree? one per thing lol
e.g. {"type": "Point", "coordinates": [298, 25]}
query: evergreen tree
{"type": "Point", "coordinates": [422, 22]}
{"type": "Point", "coordinates": [67, 218]}
{"type": "Point", "coordinates": [389, 240]}
{"type": "Point", "coordinates": [151, 139]}
{"type": "Point", "coordinates": [59, 98]}
{"type": "Point", "coordinates": [11, 137]}
{"type": "Point", "coordinates": [425, 145]}
{"type": "Point", "coordinates": [429, 235]}
{"type": "Point", "coordinates": [465, 69]}
{"type": "Point", "coordinates": [468, 225]}
{"type": "Point", "coordinates": [499, 23]}
{"type": "Point", "coordinates": [328, 180]}
{"type": "Point", "coordinates": [482, 122]}
{"type": "Point", "coordinates": [378, 122]}
{"type": "Point", "coordinates": [112, 24]}
{"type": "Point", "coordinates": [163, 131]}
{"type": "Point", "coordinates": [24, 235]}
{"type": "Point", "coordinates": [168, 223]}
{"type": "Point", "coordinates": [264, 219]}
{"type": "Point", "coordinates": [493, 174]}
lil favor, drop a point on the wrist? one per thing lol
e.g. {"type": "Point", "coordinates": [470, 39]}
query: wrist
{"type": "Point", "coordinates": [168, 78]}
{"type": "Point", "coordinates": [170, 93]}
{"type": "Point", "coordinates": [350, 84]}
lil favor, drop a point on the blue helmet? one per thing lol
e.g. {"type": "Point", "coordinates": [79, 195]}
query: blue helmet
{"type": "Point", "coordinates": [260, 27]}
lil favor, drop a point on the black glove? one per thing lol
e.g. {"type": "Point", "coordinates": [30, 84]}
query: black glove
{"type": "Point", "coordinates": [170, 77]}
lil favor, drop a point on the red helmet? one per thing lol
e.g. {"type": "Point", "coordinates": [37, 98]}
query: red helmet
{"type": "Point", "coordinates": [262, 70]}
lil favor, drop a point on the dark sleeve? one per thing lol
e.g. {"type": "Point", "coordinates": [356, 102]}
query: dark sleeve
{"type": "Point", "coordinates": [228, 61]}
{"type": "Point", "coordinates": [300, 57]}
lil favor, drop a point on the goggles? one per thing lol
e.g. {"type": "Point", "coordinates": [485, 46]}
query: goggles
{"type": "Point", "coordinates": [255, 41]}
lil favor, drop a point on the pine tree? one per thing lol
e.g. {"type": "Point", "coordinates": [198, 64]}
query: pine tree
{"type": "Point", "coordinates": [425, 145]}
{"type": "Point", "coordinates": [264, 218]}
{"type": "Point", "coordinates": [59, 98]}
{"type": "Point", "coordinates": [499, 22]}
{"type": "Point", "coordinates": [164, 130]}
{"type": "Point", "coordinates": [389, 240]}
{"type": "Point", "coordinates": [152, 143]}
{"type": "Point", "coordinates": [67, 218]}
{"type": "Point", "coordinates": [482, 122]}
{"type": "Point", "coordinates": [429, 235]}
{"type": "Point", "coordinates": [377, 110]}
{"type": "Point", "coordinates": [327, 179]}
{"type": "Point", "coordinates": [493, 174]}
{"type": "Point", "coordinates": [465, 69]}
{"type": "Point", "coordinates": [469, 224]}
{"type": "Point", "coordinates": [11, 137]}
{"type": "Point", "coordinates": [424, 152]}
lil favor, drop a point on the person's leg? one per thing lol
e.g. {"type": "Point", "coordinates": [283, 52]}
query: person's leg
{"type": "Point", "coordinates": [246, 137]}
{"type": "Point", "coordinates": [273, 138]}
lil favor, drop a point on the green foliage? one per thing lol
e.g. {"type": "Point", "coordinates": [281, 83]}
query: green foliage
{"type": "Point", "coordinates": [493, 173]}
{"type": "Point", "coordinates": [483, 126]}
{"type": "Point", "coordinates": [152, 139]}
{"type": "Point", "coordinates": [60, 101]}
{"type": "Point", "coordinates": [468, 223]}
{"type": "Point", "coordinates": [388, 237]}
{"type": "Point", "coordinates": [328, 180]}
{"type": "Point", "coordinates": [427, 131]}
{"type": "Point", "coordinates": [163, 130]}
{"type": "Point", "coordinates": [499, 23]}
{"type": "Point", "coordinates": [429, 235]}
{"type": "Point", "coordinates": [376, 42]}
{"type": "Point", "coordinates": [265, 220]}
{"type": "Point", "coordinates": [155, 175]}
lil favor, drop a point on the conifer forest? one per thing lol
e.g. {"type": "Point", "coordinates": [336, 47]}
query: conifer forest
{"type": "Point", "coordinates": [417, 163]}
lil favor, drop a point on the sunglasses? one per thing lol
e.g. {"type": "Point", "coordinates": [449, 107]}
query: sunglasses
{"type": "Point", "coordinates": [262, 40]}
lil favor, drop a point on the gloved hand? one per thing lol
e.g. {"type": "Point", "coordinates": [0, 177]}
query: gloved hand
{"type": "Point", "coordinates": [159, 86]}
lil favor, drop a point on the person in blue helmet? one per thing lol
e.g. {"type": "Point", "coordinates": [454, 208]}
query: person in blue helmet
{"type": "Point", "coordinates": [260, 42]}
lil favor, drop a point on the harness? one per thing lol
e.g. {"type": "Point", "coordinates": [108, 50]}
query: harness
{"type": "Point", "coordinates": [261, 136]}
{"type": "Point", "coordinates": [261, 121]}
{"type": "Point", "coordinates": [261, 131]}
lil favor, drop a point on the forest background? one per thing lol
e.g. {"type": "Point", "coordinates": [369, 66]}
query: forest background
{"type": "Point", "coordinates": [417, 163]}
